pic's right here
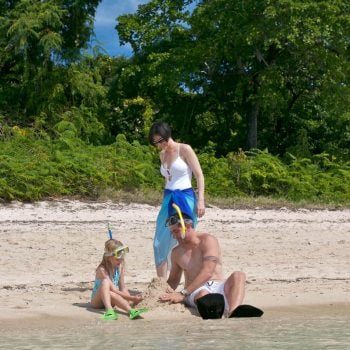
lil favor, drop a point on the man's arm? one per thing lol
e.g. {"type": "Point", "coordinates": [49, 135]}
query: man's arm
{"type": "Point", "coordinates": [210, 258]}
{"type": "Point", "coordinates": [173, 281]}
{"type": "Point", "coordinates": [175, 272]}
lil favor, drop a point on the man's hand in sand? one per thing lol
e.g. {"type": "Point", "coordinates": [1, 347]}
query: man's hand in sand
{"type": "Point", "coordinates": [169, 290]}
{"type": "Point", "coordinates": [173, 297]}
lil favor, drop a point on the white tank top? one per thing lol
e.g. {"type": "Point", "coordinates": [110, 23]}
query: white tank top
{"type": "Point", "coordinates": [178, 176]}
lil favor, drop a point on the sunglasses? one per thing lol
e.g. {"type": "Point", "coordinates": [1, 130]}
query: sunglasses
{"type": "Point", "coordinates": [161, 140]}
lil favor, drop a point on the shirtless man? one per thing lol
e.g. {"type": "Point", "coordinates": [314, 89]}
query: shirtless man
{"type": "Point", "coordinates": [198, 255]}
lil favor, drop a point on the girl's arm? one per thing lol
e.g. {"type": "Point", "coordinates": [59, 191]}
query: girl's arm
{"type": "Point", "coordinates": [121, 284]}
{"type": "Point", "coordinates": [124, 292]}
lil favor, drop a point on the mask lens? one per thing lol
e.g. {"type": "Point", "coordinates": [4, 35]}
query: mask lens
{"type": "Point", "coordinates": [120, 252]}
{"type": "Point", "coordinates": [172, 221]}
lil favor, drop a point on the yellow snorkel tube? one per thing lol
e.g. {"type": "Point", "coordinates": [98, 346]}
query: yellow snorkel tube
{"type": "Point", "coordinates": [182, 222]}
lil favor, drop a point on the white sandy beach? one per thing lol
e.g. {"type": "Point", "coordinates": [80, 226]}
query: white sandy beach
{"type": "Point", "coordinates": [50, 249]}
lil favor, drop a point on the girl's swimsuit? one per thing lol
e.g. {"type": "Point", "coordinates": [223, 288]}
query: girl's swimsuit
{"type": "Point", "coordinates": [115, 280]}
{"type": "Point", "coordinates": [178, 181]}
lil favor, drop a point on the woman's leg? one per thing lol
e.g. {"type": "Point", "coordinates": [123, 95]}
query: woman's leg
{"type": "Point", "coordinates": [162, 270]}
{"type": "Point", "coordinates": [163, 241]}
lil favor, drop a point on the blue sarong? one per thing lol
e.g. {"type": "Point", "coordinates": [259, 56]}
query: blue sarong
{"type": "Point", "coordinates": [164, 241]}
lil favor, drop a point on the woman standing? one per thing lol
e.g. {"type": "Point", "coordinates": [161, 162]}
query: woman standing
{"type": "Point", "coordinates": [178, 162]}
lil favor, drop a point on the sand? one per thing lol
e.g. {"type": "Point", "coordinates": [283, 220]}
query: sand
{"type": "Point", "coordinates": [50, 249]}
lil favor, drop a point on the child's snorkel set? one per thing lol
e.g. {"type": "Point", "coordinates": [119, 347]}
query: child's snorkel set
{"type": "Point", "coordinates": [119, 252]}
{"type": "Point", "coordinates": [110, 232]}
{"type": "Point", "coordinates": [112, 314]}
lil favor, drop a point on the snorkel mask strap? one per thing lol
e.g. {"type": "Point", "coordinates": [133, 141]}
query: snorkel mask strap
{"type": "Point", "coordinates": [183, 227]}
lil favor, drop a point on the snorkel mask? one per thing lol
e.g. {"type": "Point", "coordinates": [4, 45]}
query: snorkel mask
{"type": "Point", "coordinates": [119, 252]}
{"type": "Point", "coordinates": [178, 219]}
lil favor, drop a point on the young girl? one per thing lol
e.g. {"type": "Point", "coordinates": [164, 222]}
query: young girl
{"type": "Point", "coordinates": [109, 289]}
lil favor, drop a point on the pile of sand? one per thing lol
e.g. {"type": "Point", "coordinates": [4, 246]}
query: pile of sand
{"type": "Point", "coordinates": [154, 290]}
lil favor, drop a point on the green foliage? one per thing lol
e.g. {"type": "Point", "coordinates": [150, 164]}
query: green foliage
{"type": "Point", "coordinates": [136, 168]}
{"type": "Point", "coordinates": [134, 118]}
{"type": "Point", "coordinates": [266, 74]}
{"type": "Point", "coordinates": [33, 168]}
{"type": "Point", "coordinates": [227, 75]}
{"type": "Point", "coordinates": [317, 180]}
{"type": "Point", "coordinates": [218, 179]}
{"type": "Point", "coordinates": [247, 74]}
{"type": "Point", "coordinates": [258, 173]}
{"type": "Point", "coordinates": [36, 38]}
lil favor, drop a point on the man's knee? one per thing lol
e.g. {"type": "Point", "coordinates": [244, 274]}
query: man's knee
{"type": "Point", "coordinates": [237, 277]}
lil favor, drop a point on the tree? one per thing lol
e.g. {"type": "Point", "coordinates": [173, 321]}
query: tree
{"type": "Point", "coordinates": [259, 72]}
{"type": "Point", "coordinates": [35, 36]}
{"type": "Point", "coordinates": [158, 36]}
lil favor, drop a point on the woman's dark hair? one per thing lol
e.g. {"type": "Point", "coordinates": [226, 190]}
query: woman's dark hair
{"type": "Point", "coordinates": [159, 128]}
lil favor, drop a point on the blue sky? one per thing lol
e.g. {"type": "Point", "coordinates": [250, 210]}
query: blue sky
{"type": "Point", "coordinates": [105, 21]}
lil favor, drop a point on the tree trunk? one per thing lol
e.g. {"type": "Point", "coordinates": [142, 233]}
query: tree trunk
{"type": "Point", "coordinates": [252, 132]}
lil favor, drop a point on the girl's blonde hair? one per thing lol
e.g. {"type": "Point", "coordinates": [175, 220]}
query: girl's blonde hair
{"type": "Point", "coordinates": [110, 246]}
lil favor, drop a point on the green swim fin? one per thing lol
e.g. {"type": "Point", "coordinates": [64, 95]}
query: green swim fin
{"type": "Point", "coordinates": [134, 313]}
{"type": "Point", "coordinates": [110, 315]}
